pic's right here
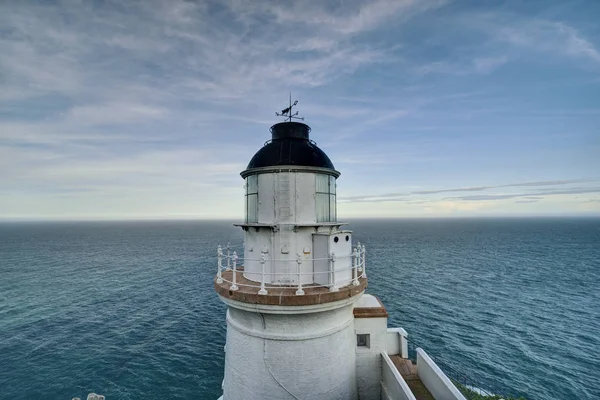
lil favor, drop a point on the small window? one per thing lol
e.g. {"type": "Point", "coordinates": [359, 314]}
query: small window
{"type": "Point", "coordinates": [363, 340]}
{"type": "Point", "coordinates": [325, 198]}
{"type": "Point", "coordinates": [252, 198]}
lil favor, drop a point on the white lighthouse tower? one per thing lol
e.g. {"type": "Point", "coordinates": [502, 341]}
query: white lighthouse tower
{"type": "Point", "coordinates": [299, 325]}
{"type": "Point", "coordinates": [290, 330]}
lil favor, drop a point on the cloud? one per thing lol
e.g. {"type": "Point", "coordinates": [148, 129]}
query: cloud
{"type": "Point", "coordinates": [477, 65]}
{"type": "Point", "coordinates": [486, 65]}
{"type": "Point", "coordinates": [544, 36]}
{"type": "Point", "coordinates": [115, 113]}
{"type": "Point", "coordinates": [225, 54]}
{"type": "Point", "coordinates": [519, 195]}
{"type": "Point", "coordinates": [111, 98]}
{"type": "Point", "coordinates": [335, 18]}
{"type": "Point", "coordinates": [399, 196]}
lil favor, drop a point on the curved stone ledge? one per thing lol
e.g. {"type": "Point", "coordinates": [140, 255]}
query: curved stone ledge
{"type": "Point", "coordinates": [284, 295]}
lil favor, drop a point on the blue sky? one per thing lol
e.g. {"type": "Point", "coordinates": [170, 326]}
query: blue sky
{"type": "Point", "coordinates": [429, 108]}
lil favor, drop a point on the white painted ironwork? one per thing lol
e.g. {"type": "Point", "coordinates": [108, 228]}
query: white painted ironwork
{"type": "Point", "coordinates": [233, 283]}
{"type": "Point", "coordinates": [360, 260]}
{"type": "Point", "coordinates": [299, 292]}
{"type": "Point", "coordinates": [263, 260]}
{"type": "Point", "coordinates": [228, 256]}
{"type": "Point", "coordinates": [219, 264]}
{"type": "Point", "coordinates": [357, 271]}
{"type": "Point", "coordinates": [333, 287]}
{"type": "Point", "coordinates": [364, 268]}
{"type": "Point", "coordinates": [354, 267]}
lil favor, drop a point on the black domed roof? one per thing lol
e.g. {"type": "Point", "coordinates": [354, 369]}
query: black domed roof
{"type": "Point", "coordinates": [290, 145]}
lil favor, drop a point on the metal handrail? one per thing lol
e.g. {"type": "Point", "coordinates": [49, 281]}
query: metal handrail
{"type": "Point", "coordinates": [284, 259]}
{"type": "Point", "coordinates": [345, 282]}
{"type": "Point", "coordinates": [357, 269]}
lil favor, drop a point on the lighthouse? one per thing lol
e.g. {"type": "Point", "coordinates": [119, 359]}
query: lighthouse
{"type": "Point", "coordinates": [299, 323]}
{"type": "Point", "coordinates": [291, 294]}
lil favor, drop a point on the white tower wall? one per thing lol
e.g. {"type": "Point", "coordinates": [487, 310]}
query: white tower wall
{"type": "Point", "coordinates": [287, 215]}
{"type": "Point", "coordinates": [272, 244]}
{"type": "Point", "coordinates": [294, 356]}
{"type": "Point", "coordinates": [288, 341]}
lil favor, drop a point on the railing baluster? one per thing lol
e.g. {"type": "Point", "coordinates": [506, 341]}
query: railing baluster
{"type": "Point", "coordinates": [228, 256]}
{"type": "Point", "coordinates": [300, 291]}
{"type": "Point", "coordinates": [263, 260]}
{"type": "Point", "coordinates": [359, 262]}
{"type": "Point", "coordinates": [333, 287]}
{"type": "Point", "coordinates": [219, 264]}
{"type": "Point", "coordinates": [364, 266]}
{"type": "Point", "coordinates": [355, 267]}
{"type": "Point", "coordinates": [234, 286]}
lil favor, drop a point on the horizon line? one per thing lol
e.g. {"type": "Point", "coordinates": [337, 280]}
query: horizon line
{"type": "Point", "coordinates": [342, 221]}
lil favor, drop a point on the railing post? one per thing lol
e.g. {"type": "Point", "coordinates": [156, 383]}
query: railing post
{"type": "Point", "coordinates": [228, 256]}
{"type": "Point", "coordinates": [355, 267]}
{"type": "Point", "coordinates": [263, 260]}
{"type": "Point", "coordinates": [299, 292]}
{"type": "Point", "coordinates": [333, 287]}
{"type": "Point", "coordinates": [219, 264]}
{"type": "Point", "coordinates": [364, 263]}
{"type": "Point", "coordinates": [234, 286]}
{"type": "Point", "coordinates": [359, 260]}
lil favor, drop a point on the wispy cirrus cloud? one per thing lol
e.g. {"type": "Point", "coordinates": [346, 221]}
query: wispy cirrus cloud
{"type": "Point", "coordinates": [542, 193]}
{"type": "Point", "coordinates": [401, 196]}
{"type": "Point", "coordinates": [225, 53]}
{"type": "Point", "coordinates": [476, 65]}
{"type": "Point", "coordinates": [552, 37]}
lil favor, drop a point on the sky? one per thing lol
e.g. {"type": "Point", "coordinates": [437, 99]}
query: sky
{"type": "Point", "coordinates": [428, 108]}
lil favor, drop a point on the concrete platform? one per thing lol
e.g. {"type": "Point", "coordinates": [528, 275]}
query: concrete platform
{"type": "Point", "coordinates": [409, 372]}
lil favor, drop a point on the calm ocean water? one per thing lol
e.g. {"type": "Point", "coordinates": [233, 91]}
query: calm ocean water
{"type": "Point", "coordinates": [127, 309]}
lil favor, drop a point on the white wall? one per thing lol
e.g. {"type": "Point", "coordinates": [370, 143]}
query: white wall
{"type": "Point", "coordinates": [393, 342]}
{"type": "Point", "coordinates": [254, 243]}
{"type": "Point", "coordinates": [269, 356]}
{"type": "Point", "coordinates": [296, 242]}
{"type": "Point", "coordinates": [368, 360]}
{"type": "Point", "coordinates": [286, 199]}
{"type": "Point", "coordinates": [393, 386]}
{"type": "Point", "coordinates": [396, 342]}
{"type": "Point", "coordinates": [435, 380]}
{"type": "Point", "coordinates": [343, 263]}
{"type": "Point", "coordinates": [325, 245]}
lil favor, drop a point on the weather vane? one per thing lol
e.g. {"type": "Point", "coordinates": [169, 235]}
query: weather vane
{"type": "Point", "coordinates": [287, 112]}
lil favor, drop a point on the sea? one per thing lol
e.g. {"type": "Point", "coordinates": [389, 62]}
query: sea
{"type": "Point", "coordinates": [128, 309]}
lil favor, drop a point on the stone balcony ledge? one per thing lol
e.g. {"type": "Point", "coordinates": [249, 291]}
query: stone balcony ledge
{"type": "Point", "coordinates": [247, 292]}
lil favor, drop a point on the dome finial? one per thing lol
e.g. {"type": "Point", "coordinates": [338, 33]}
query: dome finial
{"type": "Point", "coordinates": [287, 112]}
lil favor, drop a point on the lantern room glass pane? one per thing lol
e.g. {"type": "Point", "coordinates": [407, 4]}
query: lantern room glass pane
{"type": "Point", "coordinates": [252, 208]}
{"type": "Point", "coordinates": [322, 184]}
{"type": "Point", "coordinates": [332, 208]}
{"type": "Point", "coordinates": [325, 198]}
{"type": "Point", "coordinates": [322, 200]}
{"type": "Point", "coordinates": [252, 184]}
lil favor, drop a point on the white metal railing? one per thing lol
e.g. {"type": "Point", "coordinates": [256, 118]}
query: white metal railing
{"type": "Point", "coordinates": [232, 262]}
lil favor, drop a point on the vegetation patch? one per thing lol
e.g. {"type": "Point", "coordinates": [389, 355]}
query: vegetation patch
{"type": "Point", "coordinates": [471, 394]}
